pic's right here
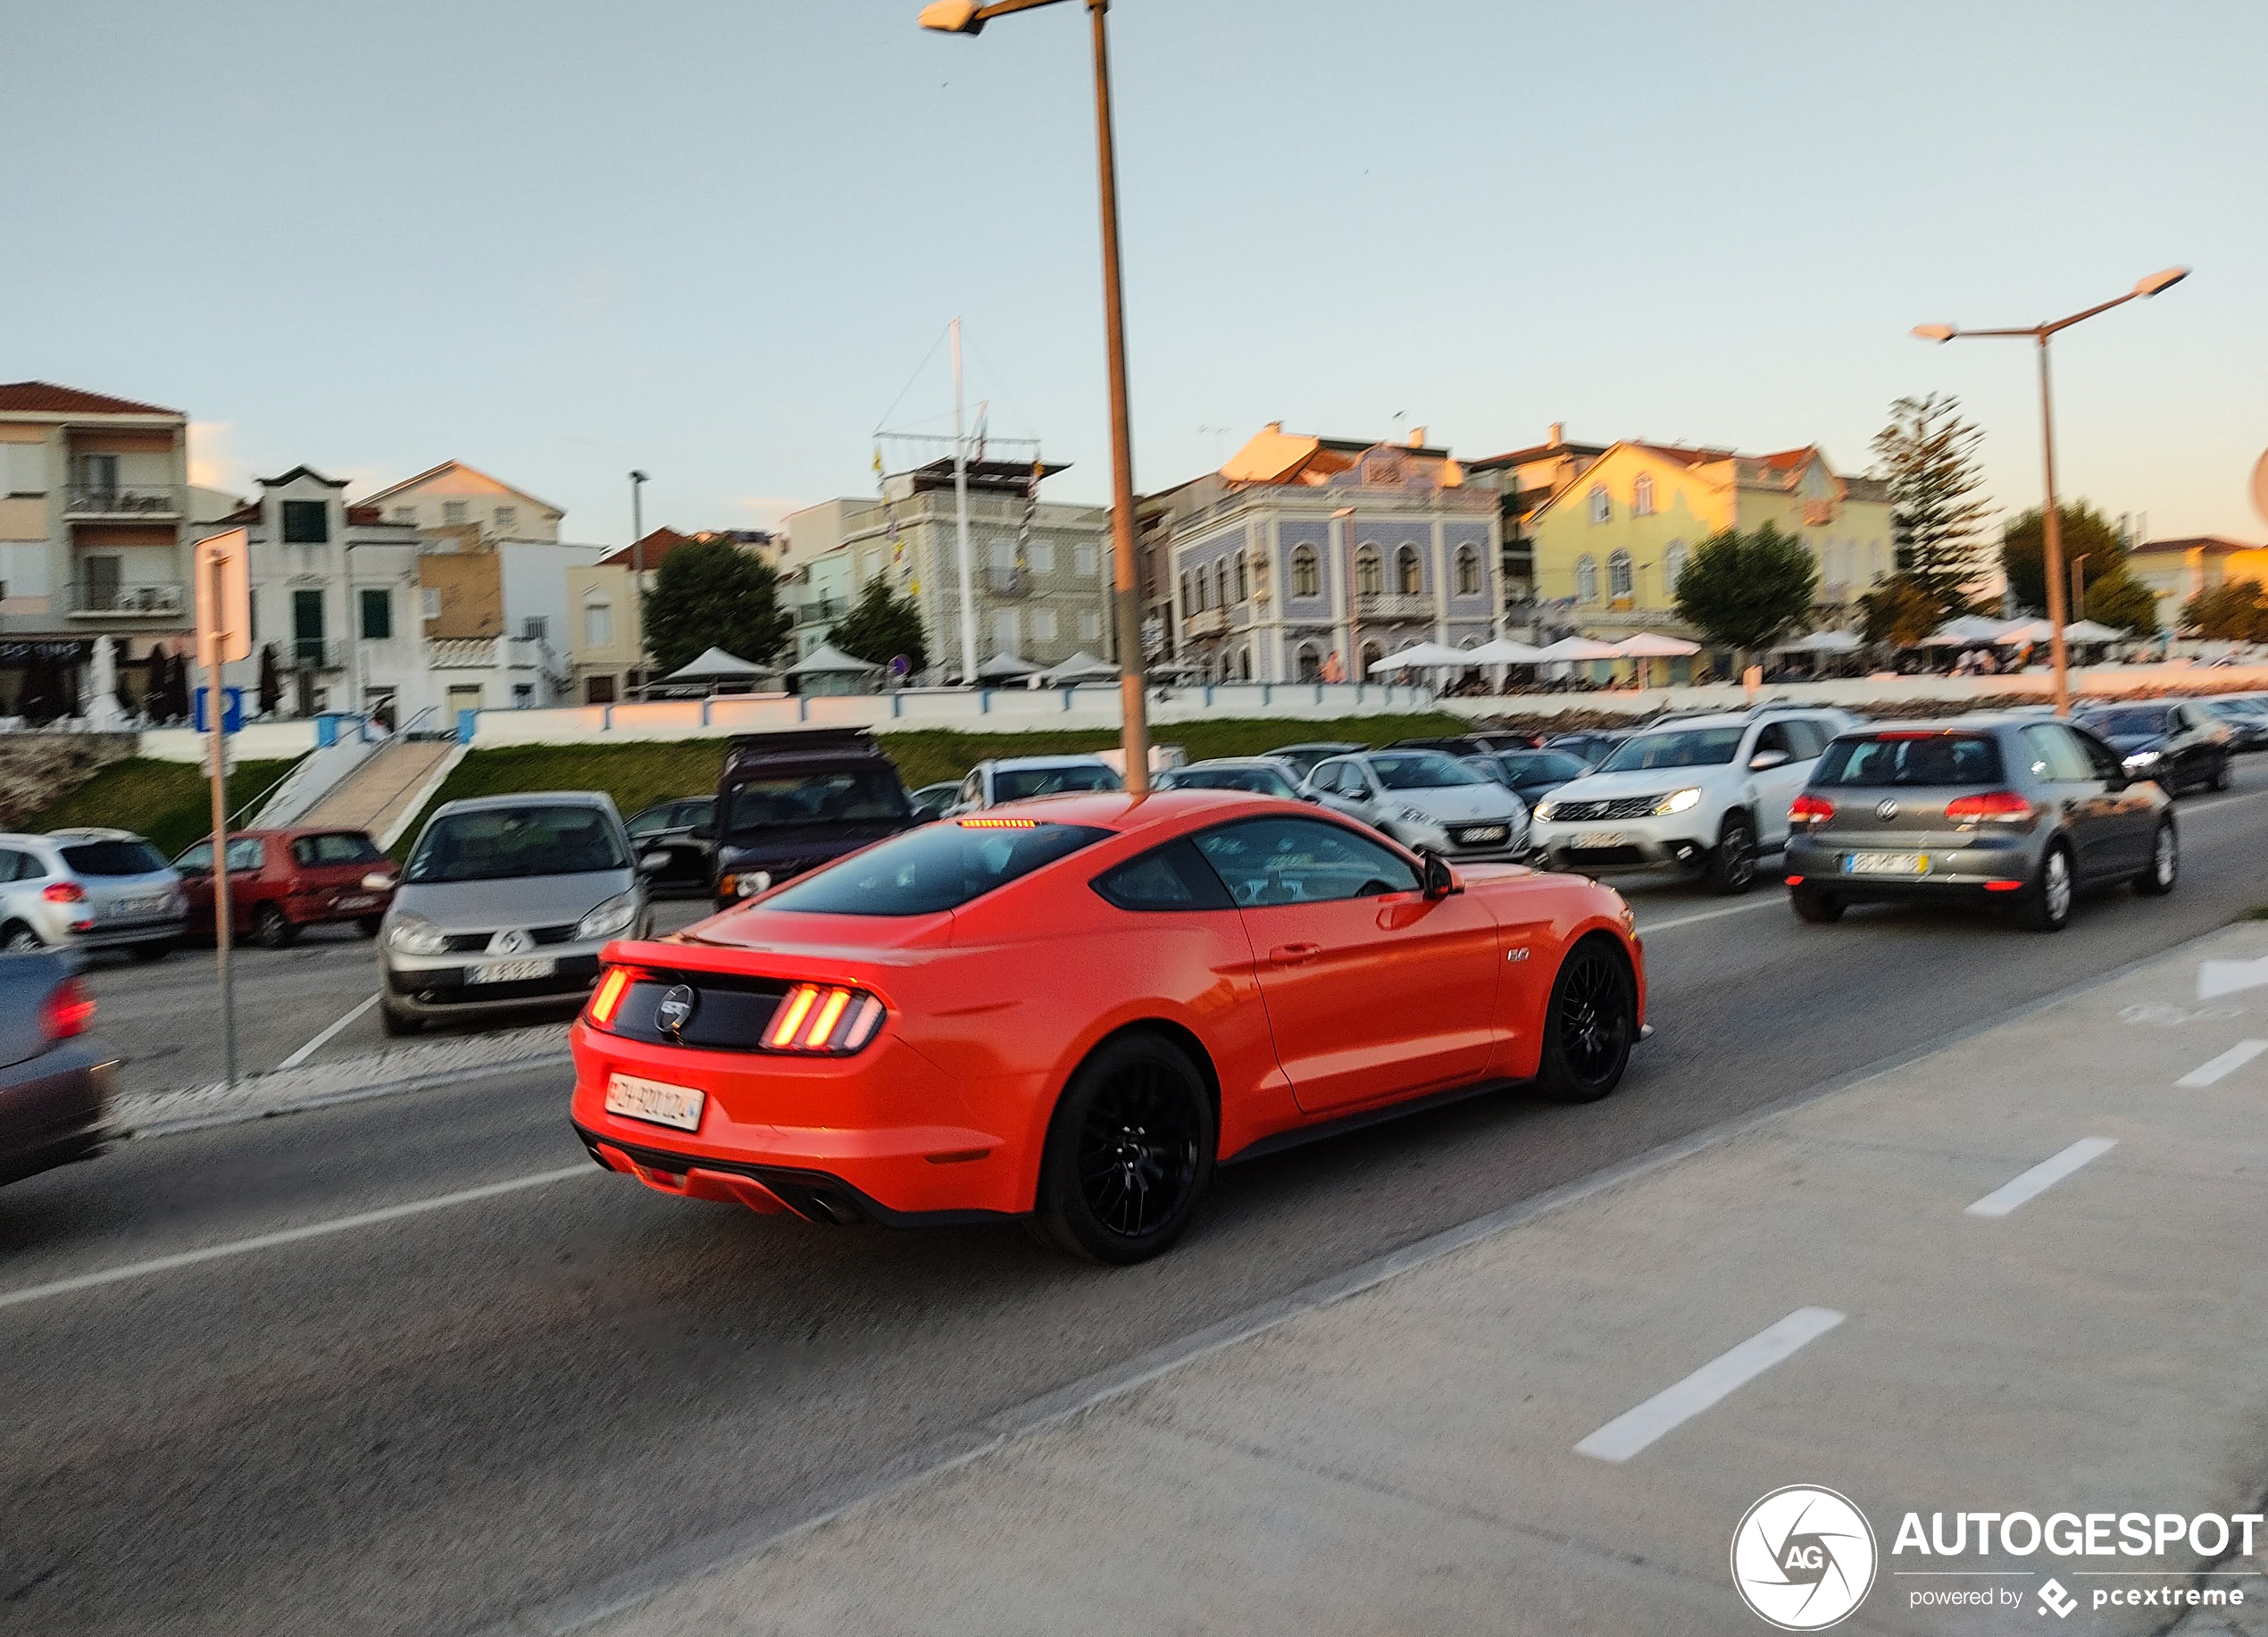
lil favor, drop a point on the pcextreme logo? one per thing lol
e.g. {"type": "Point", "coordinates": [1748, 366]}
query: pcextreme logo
{"type": "Point", "coordinates": [1804, 1557]}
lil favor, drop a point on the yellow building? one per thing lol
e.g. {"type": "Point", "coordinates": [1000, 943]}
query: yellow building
{"type": "Point", "coordinates": [2176, 570]}
{"type": "Point", "coordinates": [1618, 530]}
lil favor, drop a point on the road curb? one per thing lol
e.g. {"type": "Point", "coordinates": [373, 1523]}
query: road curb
{"type": "Point", "coordinates": [139, 1116]}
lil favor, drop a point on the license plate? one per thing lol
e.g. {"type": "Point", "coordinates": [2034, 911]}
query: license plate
{"type": "Point", "coordinates": [656, 1101]}
{"type": "Point", "coordinates": [1598, 837]}
{"type": "Point", "coordinates": [362, 902]}
{"type": "Point", "coordinates": [1886, 864]}
{"type": "Point", "coordinates": [511, 971]}
{"type": "Point", "coordinates": [1493, 832]}
{"type": "Point", "coordinates": [127, 909]}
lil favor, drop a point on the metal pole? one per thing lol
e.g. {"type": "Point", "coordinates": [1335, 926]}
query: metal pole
{"type": "Point", "coordinates": [960, 524]}
{"type": "Point", "coordinates": [1126, 601]}
{"type": "Point", "coordinates": [210, 643]}
{"type": "Point", "coordinates": [2058, 652]}
{"type": "Point", "coordinates": [637, 572]}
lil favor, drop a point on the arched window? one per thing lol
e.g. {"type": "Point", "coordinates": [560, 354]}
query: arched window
{"type": "Point", "coordinates": [1220, 581]}
{"type": "Point", "coordinates": [1372, 655]}
{"type": "Point", "coordinates": [1602, 508]}
{"type": "Point", "coordinates": [1368, 578]}
{"type": "Point", "coordinates": [1243, 665]}
{"type": "Point", "coordinates": [1618, 573]}
{"type": "Point", "coordinates": [1468, 571]}
{"type": "Point", "coordinates": [1189, 597]}
{"type": "Point", "coordinates": [1409, 579]}
{"type": "Point", "coordinates": [1244, 581]}
{"type": "Point", "coordinates": [1673, 566]}
{"type": "Point", "coordinates": [1304, 581]}
{"type": "Point", "coordinates": [1642, 495]}
{"type": "Point", "coordinates": [1586, 579]}
{"type": "Point", "coordinates": [1310, 662]}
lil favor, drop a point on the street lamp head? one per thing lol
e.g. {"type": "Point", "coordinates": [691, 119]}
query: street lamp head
{"type": "Point", "coordinates": [2159, 283]}
{"type": "Point", "coordinates": [952, 17]}
{"type": "Point", "coordinates": [1935, 332]}
{"type": "Point", "coordinates": [638, 477]}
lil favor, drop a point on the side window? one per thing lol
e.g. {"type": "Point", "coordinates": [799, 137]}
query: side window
{"type": "Point", "coordinates": [1773, 737]}
{"type": "Point", "coordinates": [973, 787]}
{"type": "Point", "coordinates": [2103, 760]}
{"type": "Point", "coordinates": [10, 863]}
{"type": "Point", "coordinates": [243, 854]}
{"type": "Point", "coordinates": [197, 860]}
{"type": "Point", "coordinates": [1172, 877]}
{"type": "Point", "coordinates": [1273, 861]}
{"type": "Point", "coordinates": [303, 852]}
{"type": "Point", "coordinates": [2056, 756]}
{"type": "Point", "coordinates": [1326, 777]}
{"type": "Point", "coordinates": [29, 867]}
{"type": "Point", "coordinates": [1807, 735]}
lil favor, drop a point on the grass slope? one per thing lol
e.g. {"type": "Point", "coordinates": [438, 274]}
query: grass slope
{"type": "Point", "coordinates": [640, 775]}
{"type": "Point", "coordinates": [169, 802]}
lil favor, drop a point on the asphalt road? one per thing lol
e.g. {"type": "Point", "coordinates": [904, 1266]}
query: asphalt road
{"type": "Point", "coordinates": [432, 1421]}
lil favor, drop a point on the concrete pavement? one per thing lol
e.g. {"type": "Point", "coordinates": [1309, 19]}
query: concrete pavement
{"type": "Point", "coordinates": [2020, 1274]}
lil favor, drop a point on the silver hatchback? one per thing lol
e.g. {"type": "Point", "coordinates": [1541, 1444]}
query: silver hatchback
{"type": "Point", "coordinates": [505, 904]}
{"type": "Point", "coordinates": [88, 890]}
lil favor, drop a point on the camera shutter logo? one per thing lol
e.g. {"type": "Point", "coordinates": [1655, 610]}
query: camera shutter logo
{"type": "Point", "coordinates": [1885, 810]}
{"type": "Point", "coordinates": [1803, 1558]}
{"type": "Point", "coordinates": [675, 1011]}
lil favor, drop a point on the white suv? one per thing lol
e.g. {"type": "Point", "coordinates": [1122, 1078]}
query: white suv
{"type": "Point", "coordinates": [1704, 793]}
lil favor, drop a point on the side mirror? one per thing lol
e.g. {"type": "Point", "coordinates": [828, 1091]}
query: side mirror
{"type": "Point", "coordinates": [1440, 882]}
{"type": "Point", "coordinates": [648, 862]}
{"type": "Point", "coordinates": [1765, 761]}
{"type": "Point", "coordinates": [378, 881]}
{"type": "Point", "coordinates": [702, 832]}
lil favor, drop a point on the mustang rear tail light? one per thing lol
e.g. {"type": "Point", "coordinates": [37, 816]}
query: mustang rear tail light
{"type": "Point", "coordinates": [63, 892]}
{"type": "Point", "coordinates": [1992, 808]}
{"type": "Point", "coordinates": [823, 1018]}
{"type": "Point", "coordinates": [68, 1010]}
{"type": "Point", "coordinates": [1810, 810]}
{"type": "Point", "coordinates": [608, 998]}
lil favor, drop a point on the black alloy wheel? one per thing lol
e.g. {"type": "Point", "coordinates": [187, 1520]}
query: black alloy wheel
{"type": "Point", "coordinates": [19, 940]}
{"type": "Point", "coordinates": [1590, 1027]}
{"type": "Point", "coordinates": [1130, 1152]}
{"type": "Point", "coordinates": [271, 928]}
{"type": "Point", "coordinates": [1732, 867]}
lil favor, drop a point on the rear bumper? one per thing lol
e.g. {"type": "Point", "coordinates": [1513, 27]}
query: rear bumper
{"type": "Point", "coordinates": [121, 934]}
{"type": "Point", "coordinates": [1989, 864]}
{"type": "Point", "coordinates": [816, 1196]}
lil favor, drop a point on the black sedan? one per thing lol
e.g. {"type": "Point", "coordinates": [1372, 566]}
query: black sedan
{"type": "Point", "coordinates": [55, 1081]}
{"type": "Point", "coordinates": [1530, 775]}
{"type": "Point", "coordinates": [2177, 745]}
{"type": "Point", "coordinates": [2246, 718]}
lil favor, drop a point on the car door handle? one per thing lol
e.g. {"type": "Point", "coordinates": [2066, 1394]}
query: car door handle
{"type": "Point", "coordinates": [1292, 955]}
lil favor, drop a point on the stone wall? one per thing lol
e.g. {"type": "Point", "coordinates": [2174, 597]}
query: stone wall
{"type": "Point", "coordinates": [37, 769]}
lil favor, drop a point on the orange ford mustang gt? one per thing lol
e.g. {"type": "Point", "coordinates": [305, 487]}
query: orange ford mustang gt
{"type": "Point", "coordinates": [1073, 1008]}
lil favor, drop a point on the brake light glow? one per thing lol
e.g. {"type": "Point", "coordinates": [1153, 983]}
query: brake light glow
{"type": "Point", "coordinates": [995, 823]}
{"type": "Point", "coordinates": [68, 1010]}
{"type": "Point", "coordinates": [1991, 808]}
{"type": "Point", "coordinates": [824, 1017]}
{"type": "Point", "coordinates": [608, 1000]}
{"type": "Point", "coordinates": [63, 892]}
{"type": "Point", "coordinates": [1809, 809]}
{"type": "Point", "coordinates": [2003, 886]}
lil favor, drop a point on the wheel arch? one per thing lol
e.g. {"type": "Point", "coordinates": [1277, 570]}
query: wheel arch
{"type": "Point", "coordinates": [1165, 1028]}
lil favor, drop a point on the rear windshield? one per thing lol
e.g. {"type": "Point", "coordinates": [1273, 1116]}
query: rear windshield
{"type": "Point", "coordinates": [1691, 747]}
{"type": "Point", "coordinates": [506, 843]}
{"type": "Point", "coordinates": [935, 868]}
{"type": "Point", "coordinates": [847, 796]}
{"type": "Point", "coordinates": [352, 847]}
{"type": "Point", "coordinates": [1259, 780]}
{"type": "Point", "coordinates": [1425, 769]}
{"type": "Point", "coordinates": [2129, 723]}
{"type": "Point", "coordinates": [1535, 766]}
{"type": "Point", "coordinates": [1935, 758]}
{"type": "Point", "coordinates": [114, 858]}
{"type": "Point", "coordinates": [1020, 783]}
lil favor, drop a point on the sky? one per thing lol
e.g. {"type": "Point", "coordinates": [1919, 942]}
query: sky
{"type": "Point", "coordinates": [720, 242]}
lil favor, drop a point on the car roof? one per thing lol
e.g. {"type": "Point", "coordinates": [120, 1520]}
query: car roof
{"type": "Point", "coordinates": [1023, 764]}
{"type": "Point", "coordinates": [527, 799]}
{"type": "Point", "coordinates": [1232, 761]}
{"type": "Point", "coordinates": [91, 832]}
{"type": "Point", "coordinates": [1337, 746]}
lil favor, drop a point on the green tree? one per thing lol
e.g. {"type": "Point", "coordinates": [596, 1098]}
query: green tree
{"type": "Point", "coordinates": [710, 593]}
{"type": "Point", "coordinates": [1928, 456]}
{"type": "Point", "coordinates": [2233, 611]}
{"type": "Point", "coordinates": [2087, 532]}
{"type": "Point", "coordinates": [2121, 600]}
{"type": "Point", "coordinates": [1745, 590]}
{"type": "Point", "coordinates": [1899, 611]}
{"type": "Point", "coordinates": [882, 625]}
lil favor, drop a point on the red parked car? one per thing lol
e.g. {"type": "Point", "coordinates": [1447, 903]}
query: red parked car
{"type": "Point", "coordinates": [282, 879]}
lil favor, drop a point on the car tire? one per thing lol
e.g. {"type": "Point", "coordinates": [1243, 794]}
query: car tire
{"type": "Point", "coordinates": [17, 939]}
{"type": "Point", "coordinates": [271, 928]}
{"type": "Point", "coordinates": [368, 926]}
{"type": "Point", "coordinates": [1129, 1151]}
{"type": "Point", "coordinates": [1733, 865]}
{"type": "Point", "coordinates": [397, 1023]}
{"type": "Point", "coordinates": [2048, 903]}
{"type": "Point", "coordinates": [156, 949]}
{"type": "Point", "coordinates": [2165, 863]}
{"type": "Point", "coordinates": [1589, 1026]}
{"type": "Point", "coordinates": [1811, 905]}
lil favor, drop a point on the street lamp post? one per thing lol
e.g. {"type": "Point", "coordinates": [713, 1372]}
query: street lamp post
{"type": "Point", "coordinates": [637, 572]}
{"type": "Point", "coordinates": [2052, 558]}
{"type": "Point", "coordinates": [966, 17]}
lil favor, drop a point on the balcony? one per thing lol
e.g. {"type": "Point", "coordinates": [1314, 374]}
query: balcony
{"type": "Point", "coordinates": [1393, 606]}
{"type": "Point", "coordinates": [1210, 623]}
{"type": "Point", "coordinates": [310, 654]}
{"type": "Point", "coordinates": [102, 599]}
{"type": "Point", "coordinates": [824, 611]}
{"type": "Point", "coordinates": [134, 500]}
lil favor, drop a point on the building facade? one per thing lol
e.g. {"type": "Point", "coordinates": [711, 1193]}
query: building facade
{"type": "Point", "coordinates": [1610, 542]}
{"type": "Point", "coordinates": [453, 496]}
{"type": "Point", "coordinates": [2175, 571]}
{"type": "Point", "coordinates": [1309, 558]}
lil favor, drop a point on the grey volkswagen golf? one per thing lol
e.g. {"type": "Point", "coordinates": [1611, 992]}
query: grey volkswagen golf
{"type": "Point", "coordinates": [2023, 810]}
{"type": "Point", "coordinates": [505, 904]}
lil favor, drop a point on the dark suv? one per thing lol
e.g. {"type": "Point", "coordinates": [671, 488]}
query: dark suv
{"type": "Point", "coordinates": [790, 802]}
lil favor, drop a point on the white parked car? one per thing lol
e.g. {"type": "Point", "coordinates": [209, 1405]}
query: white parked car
{"type": "Point", "coordinates": [1019, 778]}
{"type": "Point", "coordinates": [88, 890]}
{"type": "Point", "coordinates": [1709, 794]}
{"type": "Point", "coordinates": [1429, 802]}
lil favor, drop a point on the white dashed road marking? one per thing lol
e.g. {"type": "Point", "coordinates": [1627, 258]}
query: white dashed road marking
{"type": "Point", "coordinates": [1632, 1430]}
{"type": "Point", "coordinates": [2227, 1063]}
{"type": "Point", "coordinates": [2042, 1177]}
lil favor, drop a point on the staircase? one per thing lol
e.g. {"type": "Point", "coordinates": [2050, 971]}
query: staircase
{"type": "Point", "coordinates": [386, 792]}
